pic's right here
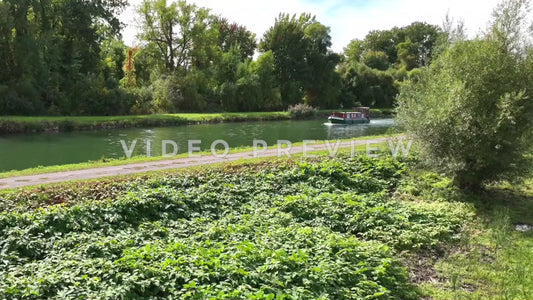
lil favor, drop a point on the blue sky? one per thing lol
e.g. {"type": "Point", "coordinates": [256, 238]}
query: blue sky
{"type": "Point", "coordinates": [347, 19]}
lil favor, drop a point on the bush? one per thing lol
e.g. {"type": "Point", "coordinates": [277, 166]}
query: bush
{"type": "Point", "coordinates": [471, 113]}
{"type": "Point", "coordinates": [144, 97]}
{"type": "Point", "coordinates": [471, 110]}
{"type": "Point", "coordinates": [301, 111]}
{"type": "Point", "coordinates": [178, 93]}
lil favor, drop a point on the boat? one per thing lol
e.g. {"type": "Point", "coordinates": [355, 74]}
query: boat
{"type": "Point", "coordinates": [359, 115]}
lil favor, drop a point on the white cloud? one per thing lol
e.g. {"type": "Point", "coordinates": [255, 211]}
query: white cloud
{"type": "Point", "coordinates": [347, 20]}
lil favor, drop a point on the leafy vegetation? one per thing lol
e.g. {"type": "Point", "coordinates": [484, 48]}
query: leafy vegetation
{"type": "Point", "coordinates": [374, 68]}
{"type": "Point", "coordinates": [318, 229]}
{"type": "Point", "coordinates": [301, 111]}
{"type": "Point", "coordinates": [61, 57]}
{"type": "Point", "coordinates": [67, 58]}
{"type": "Point", "coordinates": [470, 111]}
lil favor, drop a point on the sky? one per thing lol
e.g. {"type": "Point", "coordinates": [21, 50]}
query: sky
{"type": "Point", "coordinates": [347, 19]}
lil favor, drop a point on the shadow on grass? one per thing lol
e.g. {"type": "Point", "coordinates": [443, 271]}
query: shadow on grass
{"type": "Point", "coordinates": [494, 261]}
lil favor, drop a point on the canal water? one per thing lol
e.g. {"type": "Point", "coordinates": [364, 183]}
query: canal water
{"type": "Point", "coordinates": [19, 152]}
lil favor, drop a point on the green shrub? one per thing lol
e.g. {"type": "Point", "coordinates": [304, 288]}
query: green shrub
{"type": "Point", "coordinates": [470, 111]}
{"type": "Point", "coordinates": [302, 111]}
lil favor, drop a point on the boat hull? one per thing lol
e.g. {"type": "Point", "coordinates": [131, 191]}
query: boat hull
{"type": "Point", "coordinates": [348, 121]}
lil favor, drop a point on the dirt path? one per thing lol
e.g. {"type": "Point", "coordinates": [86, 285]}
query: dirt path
{"type": "Point", "coordinates": [21, 181]}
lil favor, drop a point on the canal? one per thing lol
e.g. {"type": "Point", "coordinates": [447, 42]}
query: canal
{"type": "Point", "coordinates": [19, 152]}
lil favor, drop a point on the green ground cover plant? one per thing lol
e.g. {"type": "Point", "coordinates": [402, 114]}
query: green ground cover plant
{"type": "Point", "coordinates": [313, 229]}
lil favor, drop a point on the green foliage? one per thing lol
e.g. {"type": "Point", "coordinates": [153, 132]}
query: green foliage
{"type": "Point", "coordinates": [406, 55]}
{"type": "Point", "coordinates": [235, 35]}
{"type": "Point", "coordinates": [179, 93]}
{"type": "Point", "coordinates": [178, 31]}
{"type": "Point", "coordinates": [376, 60]}
{"type": "Point", "coordinates": [264, 68]}
{"type": "Point", "coordinates": [384, 41]}
{"type": "Point", "coordinates": [66, 58]}
{"type": "Point", "coordinates": [312, 230]}
{"type": "Point", "coordinates": [354, 51]}
{"type": "Point", "coordinates": [301, 111]}
{"type": "Point", "coordinates": [303, 64]}
{"type": "Point", "coordinates": [373, 68]}
{"type": "Point", "coordinates": [421, 39]}
{"type": "Point", "coordinates": [470, 112]}
{"type": "Point", "coordinates": [368, 86]}
{"type": "Point", "coordinates": [51, 58]}
{"type": "Point", "coordinates": [239, 89]}
{"type": "Point", "coordinates": [286, 40]}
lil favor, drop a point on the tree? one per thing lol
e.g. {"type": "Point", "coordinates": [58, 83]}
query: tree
{"type": "Point", "coordinates": [510, 25]}
{"type": "Point", "coordinates": [452, 31]}
{"type": "Point", "coordinates": [304, 64]}
{"type": "Point", "coordinates": [407, 54]}
{"type": "Point", "coordinates": [323, 86]}
{"type": "Point", "coordinates": [369, 87]}
{"type": "Point", "coordinates": [423, 38]}
{"type": "Point", "coordinates": [264, 68]}
{"type": "Point", "coordinates": [287, 41]}
{"type": "Point", "coordinates": [234, 35]}
{"type": "Point", "coordinates": [354, 51]}
{"type": "Point", "coordinates": [177, 31]}
{"type": "Point", "coordinates": [376, 60]}
{"type": "Point", "coordinates": [383, 41]}
{"type": "Point", "coordinates": [50, 50]}
{"type": "Point", "coordinates": [470, 111]}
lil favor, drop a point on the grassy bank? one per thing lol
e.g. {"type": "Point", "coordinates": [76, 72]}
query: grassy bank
{"type": "Point", "coordinates": [10, 125]}
{"type": "Point", "coordinates": [494, 261]}
{"type": "Point", "coordinates": [491, 260]}
{"type": "Point", "coordinates": [142, 159]}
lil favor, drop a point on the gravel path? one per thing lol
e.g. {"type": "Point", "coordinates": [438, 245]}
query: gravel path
{"type": "Point", "coordinates": [22, 181]}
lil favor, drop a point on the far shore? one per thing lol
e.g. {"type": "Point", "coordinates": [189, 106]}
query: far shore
{"type": "Point", "coordinates": [42, 124]}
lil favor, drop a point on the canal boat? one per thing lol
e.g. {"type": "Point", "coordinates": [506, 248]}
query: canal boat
{"type": "Point", "coordinates": [359, 115]}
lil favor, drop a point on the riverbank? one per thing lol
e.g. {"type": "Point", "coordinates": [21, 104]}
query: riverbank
{"type": "Point", "coordinates": [15, 124]}
{"type": "Point", "coordinates": [99, 169]}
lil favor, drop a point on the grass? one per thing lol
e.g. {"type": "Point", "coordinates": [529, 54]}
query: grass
{"type": "Point", "coordinates": [493, 260]}
{"type": "Point", "coordinates": [18, 124]}
{"type": "Point", "coordinates": [496, 262]}
{"type": "Point", "coordinates": [15, 124]}
{"type": "Point", "coordinates": [133, 160]}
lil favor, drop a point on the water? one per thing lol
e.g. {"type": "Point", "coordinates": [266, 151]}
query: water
{"type": "Point", "coordinates": [26, 151]}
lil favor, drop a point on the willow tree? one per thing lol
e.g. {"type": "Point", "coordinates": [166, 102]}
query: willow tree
{"type": "Point", "coordinates": [470, 111]}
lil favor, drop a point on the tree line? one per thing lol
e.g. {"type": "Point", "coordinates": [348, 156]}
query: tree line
{"type": "Point", "coordinates": [67, 58]}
